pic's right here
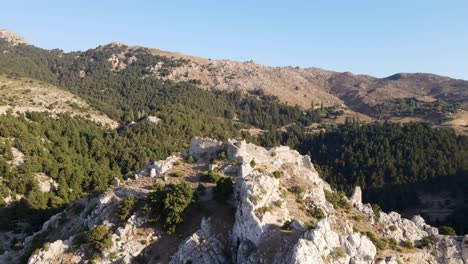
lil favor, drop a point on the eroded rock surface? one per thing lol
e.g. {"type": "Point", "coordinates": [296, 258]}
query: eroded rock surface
{"type": "Point", "coordinates": [280, 215]}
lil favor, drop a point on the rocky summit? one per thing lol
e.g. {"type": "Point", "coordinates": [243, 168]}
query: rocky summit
{"type": "Point", "coordinates": [280, 211]}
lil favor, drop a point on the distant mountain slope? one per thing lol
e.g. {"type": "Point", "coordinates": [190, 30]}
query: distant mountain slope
{"type": "Point", "coordinates": [293, 85]}
{"type": "Point", "coordinates": [27, 95]}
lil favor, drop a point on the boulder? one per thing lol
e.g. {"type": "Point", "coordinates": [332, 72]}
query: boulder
{"type": "Point", "coordinates": [204, 149]}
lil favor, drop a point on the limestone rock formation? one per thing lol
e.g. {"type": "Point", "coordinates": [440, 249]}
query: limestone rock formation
{"type": "Point", "coordinates": [280, 214]}
{"type": "Point", "coordinates": [13, 38]}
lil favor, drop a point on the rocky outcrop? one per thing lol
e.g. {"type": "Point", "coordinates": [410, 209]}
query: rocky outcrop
{"type": "Point", "coordinates": [322, 243]}
{"type": "Point", "coordinates": [201, 247]}
{"type": "Point", "coordinates": [204, 149]}
{"type": "Point", "coordinates": [153, 120]}
{"type": "Point", "coordinates": [270, 225]}
{"type": "Point", "coordinates": [13, 38]}
{"type": "Point", "coordinates": [53, 253]}
{"type": "Point", "coordinates": [356, 198]}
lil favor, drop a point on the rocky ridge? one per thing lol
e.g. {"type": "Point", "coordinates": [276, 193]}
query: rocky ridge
{"type": "Point", "coordinates": [13, 38]}
{"type": "Point", "coordinates": [284, 213]}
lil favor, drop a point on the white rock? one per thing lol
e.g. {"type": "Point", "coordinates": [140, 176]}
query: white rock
{"type": "Point", "coordinates": [356, 198]}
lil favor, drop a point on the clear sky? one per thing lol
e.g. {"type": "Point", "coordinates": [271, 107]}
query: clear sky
{"type": "Point", "coordinates": [374, 37]}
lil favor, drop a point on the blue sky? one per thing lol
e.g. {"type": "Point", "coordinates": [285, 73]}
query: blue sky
{"type": "Point", "coordinates": [372, 37]}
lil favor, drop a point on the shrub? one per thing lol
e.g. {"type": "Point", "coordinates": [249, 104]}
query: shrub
{"type": "Point", "coordinates": [338, 252]}
{"type": "Point", "coordinates": [358, 218]}
{"type": "Point", "coordinates": [191, 159]}
{"type": "Point", "coordinates": [178, 174]}
{"type": "Point", "coordinates": [427, 241]}
{"type": "Point", "coordinates": [317, 213]}
{"type": "Point", "coordinates": [126, 207]}
{"type": "Point", "coordinates": [287, 225]}
{"type": "Point", "coordinates": [447, 230]}
{"type": "Point", "coordinates": [168, 204]}
{"type": "Point", "coordinates": [262, 210]}
{"type": "Point", "coordinates": [277, 174]}
{"type": "Point", "coordinates": [278, 203]}
{"type": "Point", "coordinates": [393, 243]}
{"type": "Point", "coordinates": [46, 246]}
{"type": "Point", "coordinates": [376, 209]}
{"type": "Point", "coordinates": [222, 155]}
{"type": "Point", "coordinates": [393, 228]}
{"type": "Point", "coordinates": [210, 176]}
{"type": "Point", "coordinates": [379, 244]}
{"type": "Point", "coordinates": [297, 190]}
{"type": "Point", "coordinates": [337, 199]}
{"type": "Point", "coordinates": [176, 163]}
{"type": "Point", "coordinates": [253, 163]}
{"type": "Point", "coordinates": [223, 189]}
{"type": "Point", "coordinates": [79, 239]}
{"type": "Point", "coordinates": [407, 244]}
{"type": "Point", "coordinates": [101, 238]}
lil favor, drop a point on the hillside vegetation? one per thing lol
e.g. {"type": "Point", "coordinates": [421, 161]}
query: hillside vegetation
{"type": "Point", "coordinates": [129, 83]}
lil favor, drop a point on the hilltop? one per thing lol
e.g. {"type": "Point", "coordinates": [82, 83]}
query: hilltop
{"type": "Point", "coordinates": [279, 211]}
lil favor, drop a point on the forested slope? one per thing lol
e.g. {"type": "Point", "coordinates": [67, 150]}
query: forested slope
{"type": "Point", "coordinates": [387, 159]}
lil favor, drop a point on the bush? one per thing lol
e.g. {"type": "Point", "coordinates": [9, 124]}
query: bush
{"type": "Point", "coordinates": [317, 213]}
{"type": "Point", "coordinates": [427, 241]}
{"type": "Point", "coordinates": [298, 190]}
{"type": "Point", "coordinates": [178, 174]}
{"type": "Point", "coordinates": [337, 199]}
{"type": "Point", "coordinates": [379, 244]}
{"type": "Point", "coordinates": [287, 225]}
{"type": "Point", "coordinates": [210, 176]}
{"type": "Point", "coordinates": [447, 230]}
{"type": "Point", "coordinates": [393, 228]}
{"type": "Point", "coordinates": [278, 203]}
{"type": "Point", "coordinates": [393, 243]}
{"type": "Point", "coordinates": [338, 252]}
{"type": "Point", "coordinates": [101, 238]}
{"type": "Point", "coordinates": [223, 189]}
{"type": "Point", "coordinates": [262, 210]}
{"type": "Point", "coordinates": [79, 239]}
{"type": "Point", "coordinates": [277, 174]}
{"type": "Point", "coordinates": [126, 207]}
{"type": "Point", "coordinates": [253, 163]}
{"type": "Point", "coordinates": [407, 244]}
{"type": "Point", "coordinates": [168, 204]}
{"type": "Point", "coordinates": [376, 209]}
{"type": "Point", "coordinates": [191, 159]}
{"type": "Point", "coordinates": [222, 155]}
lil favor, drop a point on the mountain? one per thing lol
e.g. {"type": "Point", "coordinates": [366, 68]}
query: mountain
{"type": "Point", "coordinates": [279, 211]}
{"type": "Point", "coordinates": [82, 130]}
{"type": "Point", "coordinates": [401, 97]}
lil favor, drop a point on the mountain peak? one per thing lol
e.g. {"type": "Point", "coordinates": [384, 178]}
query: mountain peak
{"type": "Point", "coordinates": [12, 37]}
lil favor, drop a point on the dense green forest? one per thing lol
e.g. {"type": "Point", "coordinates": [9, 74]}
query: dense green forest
{"type": "Point", "coordinates": [84, 158]}
{"type": "Point", "coordinates": [390, 161]}
{"type": "Point", "coordinates": [438, 110]}
{"type": "Point", "coordinates": [387, 160]}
